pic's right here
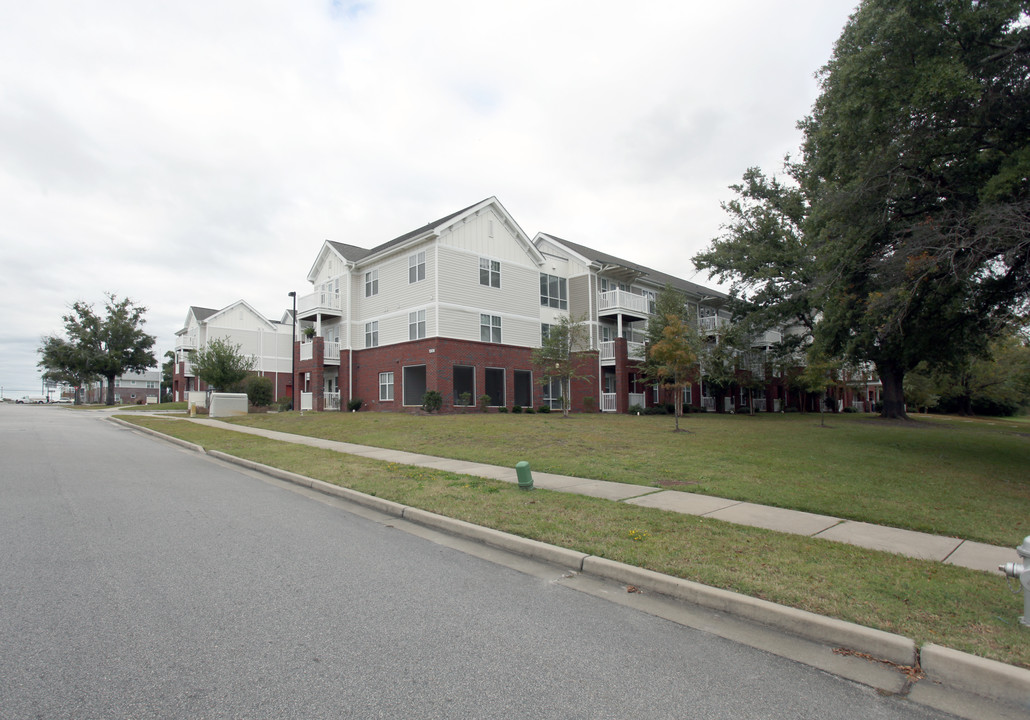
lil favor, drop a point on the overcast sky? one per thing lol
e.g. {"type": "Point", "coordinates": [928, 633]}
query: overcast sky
{"type": "Point", "coordinates": [197, 153]}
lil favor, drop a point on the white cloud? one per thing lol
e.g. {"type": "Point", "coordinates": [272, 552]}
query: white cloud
{"type": "Point", "coordinates": [198, 153]}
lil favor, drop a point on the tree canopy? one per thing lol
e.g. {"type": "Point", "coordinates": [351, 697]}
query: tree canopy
{"type": "Point", "coordinates": [221, 364]}
{"type": "Point", "coordinates": [107, 347]}
{"type": "Point", "coordinates": [555, 359]}
{"type": "Point", "coordinates": [906, 230]}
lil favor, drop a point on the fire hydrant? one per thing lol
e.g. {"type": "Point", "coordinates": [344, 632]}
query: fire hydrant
{"type": "Point", "coordinates": [1021, 571]}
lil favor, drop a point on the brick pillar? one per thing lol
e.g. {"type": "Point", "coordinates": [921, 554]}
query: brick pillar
{"type": "Point", "coordinates": [621, 376]}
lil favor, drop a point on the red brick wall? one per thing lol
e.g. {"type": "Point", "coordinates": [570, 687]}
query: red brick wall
{"type": "Point", "coordinates": [440, 355]}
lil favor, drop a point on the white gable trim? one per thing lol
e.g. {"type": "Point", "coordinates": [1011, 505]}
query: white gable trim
{"type": "Point", "coordinates": [327, 248]}
{"type": "Point", "coordinates": [248, 307]}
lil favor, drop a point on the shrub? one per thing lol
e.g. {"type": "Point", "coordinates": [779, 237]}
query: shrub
{"type": "Point", "coordinates": [354, 404]}
{"type": "Point", "coordinates": [284, 404]}
{"type": "Point", "coordinates": [465, 399]}
{"type": "Point", "coordinates": [544, 409]}
{"type": "Point", "coordinates": [588, 403]}
{"type": "Point", "coordinates": [635, 409]}
{"type": "Point", "coordinates": [432, 401]}
{"type": "Point", "coordinates": [502, 409]}
{"type": "Point", "coordinates": [484, 402]}
{"type": "Point", "coordinates": [259, 390]}
{"type": "Point", "coordinates": [516, 409]}
{"type": "Point", "coordinates": [655, 410]}
{"type": "Point", "coordinates": [529, 410]}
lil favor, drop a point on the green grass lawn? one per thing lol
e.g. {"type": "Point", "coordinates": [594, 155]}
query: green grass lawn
{"type": "Point", "coordinates": [947, 476]}
{"type": "Point", "coordinates": [928, 601]}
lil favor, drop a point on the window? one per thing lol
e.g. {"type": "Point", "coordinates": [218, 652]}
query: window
{"type": "Point", "coordinates": [494, 386]}
{"type": "Point", "coordinates": [372, 334]}
{"type": "Point", "coordinates": [489, 272]}
{"type": "Point", "coordinates": [385, 386]}
{"type": "Point", "coordinates": [524, 388]}
{"type": "Point", "coordinates": [417, 267]}
{"type": "Point", "coordinates": [464, 382]}
{"type": "Point", "coordinates": [417, 325]}
{"type": "Point", "coordinates": [554, 291]}
{"type": "Point", "coordinates": [414, 384]}
{"type": "Point", "coordinates": [371, 283]}
{"type": "Point", "coordinates": [545, 332]}
{"type": "Point", "coordinates": [552, 393]}
{"type": "Point", "coordinates": [490, 328]}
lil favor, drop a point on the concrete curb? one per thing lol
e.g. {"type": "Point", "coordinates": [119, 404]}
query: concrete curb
{"type": "Point", "coordinates": [819, 628]}
{"type": "Point", "coordinates": [988, 679]}
{"type": "Point", "coordinates": [168, 438]}
{"type": "Point", "coordinates": [977, 675]}
{"type": "Point", "coordinates": [499, 539]}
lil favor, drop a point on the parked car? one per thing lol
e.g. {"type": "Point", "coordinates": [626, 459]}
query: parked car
{"type": "Point", "coordinates": [31, 400]}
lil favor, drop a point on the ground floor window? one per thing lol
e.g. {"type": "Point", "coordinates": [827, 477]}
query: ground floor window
{"type": "Point", "coordinates": [552, 393]}
{"type": "Point", "coordinates": [385, 386]}
{"type": "Point", "coordinates": [494, 386]}
{"type": "Point", "coordinates": [524, 388]}
{"type": "Point", "coordinates": [464, 382]}
{"type": "Point", "coordinates": [414, 384]}
{"type": "Point", "coordinates": [688, 394]}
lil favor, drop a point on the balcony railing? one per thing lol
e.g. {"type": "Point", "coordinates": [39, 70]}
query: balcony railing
{"type": "Point", "coordinates": [332, 353]}
{"type": "Point", "coordinates": [187, 368]}
{"type": "Point", "coordinates": [712, 323]}
{"type": "Point", "coordinates": [622, 301]}
{"type": "Point", "coordinates": [634, 350]}
{"type": "Point", "coordinates": [332, 400]}
{"type": "Point", "coordinates": [608, 402]}
{"type": "Point", "coordinates": [307, 351]}
{"type": "Point", "coordinates": [638, 399]}
{"type": "Point", "coordinates": [708, 404]}
{"type": "Point", "coordinates": [760, 405]}
{"type": "Point", "coordinates": [186, 342]}
{"type": "Point", "coordinates": [320, 302]}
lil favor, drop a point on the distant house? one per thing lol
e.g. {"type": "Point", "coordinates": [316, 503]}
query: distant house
{"type": "Point", "coordinates": [268, 341]}
{"type": "Point", "coordinates": [129, 389]}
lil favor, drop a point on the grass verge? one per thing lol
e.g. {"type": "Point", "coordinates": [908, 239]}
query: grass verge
{"type": "Point", "coordinates": [926, 601]}
{"type": "Point", "coordinates": [960, 478]}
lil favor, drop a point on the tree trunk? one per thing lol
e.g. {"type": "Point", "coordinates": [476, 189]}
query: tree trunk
{"type": "Point", "coordinates": [892, 377]}
{"type": "Point", "coordinates": [110, 391]}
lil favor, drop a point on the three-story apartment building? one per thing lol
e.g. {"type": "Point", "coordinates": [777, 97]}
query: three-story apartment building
{"type": "Point", "coordinates": [459, 305]}
{"type": "Point", "coordinates": [268, 342]}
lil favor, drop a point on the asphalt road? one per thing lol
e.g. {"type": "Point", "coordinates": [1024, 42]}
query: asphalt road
{"type": "Point", "coordinates": [140, 580]}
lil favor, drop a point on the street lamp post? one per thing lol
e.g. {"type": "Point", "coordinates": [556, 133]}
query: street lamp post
{"type": "Point", "coordinates": [293, 353]}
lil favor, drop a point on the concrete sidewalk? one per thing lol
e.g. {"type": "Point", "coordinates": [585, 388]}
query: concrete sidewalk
{"type": "Point", "coordinates": [924, 546]}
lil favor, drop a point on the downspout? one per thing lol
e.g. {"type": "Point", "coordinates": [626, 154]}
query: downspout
{"type": "Point", "coordinates": [350, 347]}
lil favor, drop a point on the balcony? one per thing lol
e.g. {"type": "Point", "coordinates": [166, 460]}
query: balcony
{"type": "Point", "coordinates": [332, 353]}
{"type": "Point", "coordinates": [634, 351]}
{"type": "Point", "coordinates": [620, 302]}
{"type": "Point", "coordinates": [325, 303]}
{"type": "Point", "coordinates": [713, 324]}
{"type": "Point", "coordinates": [186, 369]}
{"type": "Point", "coordinates": [186, 342]}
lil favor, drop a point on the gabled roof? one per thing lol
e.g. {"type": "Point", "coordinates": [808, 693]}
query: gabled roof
{"type": "Point", "coordinates": [355, 254]}
{"type": "Point", "coordinates": [604, 260]}
{"type": "Point", "coordinates": [200, 314]}
{"type": "Point", "coordinates": [244, 304]}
